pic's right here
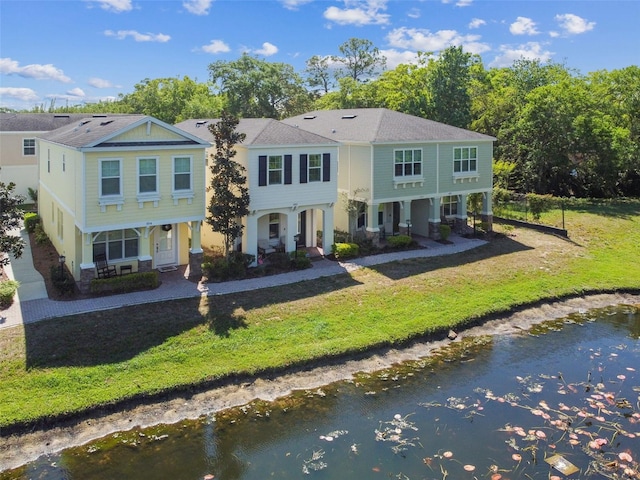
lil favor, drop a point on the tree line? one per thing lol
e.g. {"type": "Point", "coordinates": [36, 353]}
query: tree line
{"type": "Point", "coordinates": [558, 131]}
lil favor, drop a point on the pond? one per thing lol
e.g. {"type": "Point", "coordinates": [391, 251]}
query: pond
{"type": "Point", "coordinates": [561, 400]}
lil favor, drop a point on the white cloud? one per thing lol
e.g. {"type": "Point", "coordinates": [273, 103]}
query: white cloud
{"type": "Point", "coordinates": [117, 6]}
{"type": "Point", "coordinates": [37, 71]}
{"type": "Point", "coordinates": [414, 13]}
{"type": "Point", "coordinates": [523, 26]}
{"type": "Point", "coordinates": [573, 24]}
{"type": "Point", "coordinates": [23, 94]}
{"type": "Point", "coordinates": [197, 7]}
{"type": "Point", "coordinates": [216, 46]}
{"type": "Point", "coordinates": [293, 4]}
{"type": "Point", "coordinates": [137, 36]}
{"type": "Point", "coordinates": [418, 39]}
{"type": "Point", "coordinates": [76, 92]}
{"type": "Point", "coordinates": [397, 57]}
{"type": "Point", "coordinates": [528, 51]}
{"type": "Point", "coordinates": [359, 12]}
{"type": "Point", "coordinates": [476, 23]}
{"type": "Point", "coordinates": [100, 83]}
{"type": "Point", "coordinates": [267, 49]}
{"type": "Point", "coordinates": [463, 3]}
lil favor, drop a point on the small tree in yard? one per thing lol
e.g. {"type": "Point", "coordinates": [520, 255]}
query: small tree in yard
{"type": "Point", "coordinates": [10, 216]}
{"type": "Point", "coordinates": [230, 200]}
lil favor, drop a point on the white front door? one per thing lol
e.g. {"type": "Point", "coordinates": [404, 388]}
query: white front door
{"type": "Point", "coordinates": [165, 246]}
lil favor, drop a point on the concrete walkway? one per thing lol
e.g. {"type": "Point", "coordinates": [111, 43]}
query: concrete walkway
{"type": "Point", "coordinates": [32, 303]}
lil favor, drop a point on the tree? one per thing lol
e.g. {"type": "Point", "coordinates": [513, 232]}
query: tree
{"type": "Point", "coordinates": [10, 217]}
{"type": "Point", "coordinates": [318, 73]}
{"type": "Point", "coordinates": [230, 199]}
{"type": "Point", "coordinates": [255, 88]}
{"type": "Point", "coordinates": [360, 59]}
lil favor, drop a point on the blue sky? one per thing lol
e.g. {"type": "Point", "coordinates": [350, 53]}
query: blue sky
{"type": "Point", "coordinates": [85, 50]}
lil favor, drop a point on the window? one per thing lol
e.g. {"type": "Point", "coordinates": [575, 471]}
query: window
{"type": "Point", "coordinates": [315, 167]}
{"type": "Point", "coordinates": [116, 244]}
{"type": "Point", "coordinates": [408, 163]}
{"type": "Point", "coordinates": [28, 146]}
{"type": "Point", "coordinates": [275, 169]}
{"type": "Point", "coordinates": [182, 173]}
{"type": "Point", "coordinates": [449, 206]}
{"type": "Point", "coordinates": [110, 177]}
{"type": "Point", "coordinates": [274, 226]}
{"type": "Point", "coordinates": [147, 176]}
{"type": "Point", "coordinates": [465, 160]}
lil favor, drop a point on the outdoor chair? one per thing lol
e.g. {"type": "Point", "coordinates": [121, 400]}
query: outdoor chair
{"type": "Point", "coordinates": [264, 248]}
{"type": "Point", "coordinates": [103, 268]}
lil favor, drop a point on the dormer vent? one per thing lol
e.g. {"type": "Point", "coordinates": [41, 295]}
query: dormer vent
{"type": "Point", "coordinates": [309, 117]}
{"type": "Point", "coordinates": [348, 117]}
{"type": "Point", "coordinates": [200, 123]}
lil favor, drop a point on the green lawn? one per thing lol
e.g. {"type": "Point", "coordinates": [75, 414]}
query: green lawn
{"type": "Point", "coordinates": [73, 363]}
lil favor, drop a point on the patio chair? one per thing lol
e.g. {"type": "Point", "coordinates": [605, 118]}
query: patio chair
{"type": "Point", "coordinates": [264, 248]}
{"type": "Point", "coordinates": [103, 268]}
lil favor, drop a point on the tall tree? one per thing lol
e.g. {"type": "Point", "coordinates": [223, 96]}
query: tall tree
{"type": "Point", "coordinates": [10, 217]}
{"type": "Point", "coordinates": [318, 73]}
{"type": "Point", "coordinates": [255, 88]}
{"type": "Point", "coordinates": [360, 59]}
{"type": "Point", "coordinates": [230, 199]}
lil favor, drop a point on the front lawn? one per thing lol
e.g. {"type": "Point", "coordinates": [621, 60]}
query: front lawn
{"type": "Point", "coordinates": [70, 364]}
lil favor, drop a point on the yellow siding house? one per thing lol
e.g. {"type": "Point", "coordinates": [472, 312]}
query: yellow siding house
{"type": "Point", "coordinates": [129, 187]}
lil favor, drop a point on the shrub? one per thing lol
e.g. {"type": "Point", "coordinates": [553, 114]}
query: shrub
{"type": "Point", "coordinates": [62, 281]}
{"type": "Point", "coordinates": [341, 236]}
{"type": "Point", "coordinates": [280, 261]}
{"type": "Point", "coordinates": [346, 250]}
{"type": "Point", "coordinates": [216, 268]}
{"type": "Point", "coordinates": [445, 231]}
{"type": "Point", "coordinates": [8, 289]}
{"type": "Point", "coordinates": [399, 241]}
{"type": "Point", "coordinates": [126, 283]}
{"type": "Point", "coordinates": [300, 260]}
{"type": "Point", "coordinates": [538, 204]}
{"type": "Point", "coordinates": [40, 235]}
{"type": "Point", "coordinates": [365, 246]}
{"type": "Point", "coordinates": [31, 220]}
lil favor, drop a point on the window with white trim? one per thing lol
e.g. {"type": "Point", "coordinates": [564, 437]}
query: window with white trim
{"type": "Point", "coordinates": [147, 176]}
{"type": "Point", "coordinates": [182, 178]}
{"type": "Point", "coordinates": [315, 167]}
{"type": "Point", "coordinates": [465, 160]}
{"type": "Point", "coordinates": [407, 163]}
{"type": "Point", "coordinates": [28, 146]}
{"type": "Point", "coordinates": [60, 225]}
{"type": "Point", "coordinates": [110, 178]}
{"type": "Point", "coordinates": [274, 169]}
{"type": "Point", "coordinates": [449, 206]}
{"type": "Point", "coordinates": [117, 244]}
{"type": "Point", "coordinates": [274, 226]}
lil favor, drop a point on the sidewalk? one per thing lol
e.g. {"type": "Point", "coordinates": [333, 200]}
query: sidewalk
{"type": "Point", "coordinates": [32, 304]}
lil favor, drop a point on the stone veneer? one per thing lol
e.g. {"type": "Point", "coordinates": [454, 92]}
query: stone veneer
{"type": "Point", "coordinates": [195, 264]}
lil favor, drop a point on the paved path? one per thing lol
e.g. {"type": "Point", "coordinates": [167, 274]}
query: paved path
{"type": "Point", "coordinates": [32, 304]}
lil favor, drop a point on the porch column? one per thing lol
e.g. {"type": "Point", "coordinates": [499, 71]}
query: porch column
{"type": "Point", "coordinates": [461, 217]}
{"type": "Point", "coordinates": [145, 260]}
{"type": "Point", "coordinates": [405, 217]}
{"type": "Point", "coordinates": [434, 218]}
{"type": "Point", "coordinates": [250, 236]}
{"type": "Point", "coordinates": [87, 267]}
{"type": "Point", "coordinates": [196, 254]}
{"type": "Point", "coordinates": [327, 230]}
{"type": "Point", "coordinates": [312, 228]}
{"type": "Point", "coordinates": [373, 231]}
{"type": "Point", "coordinates": [487, 210]}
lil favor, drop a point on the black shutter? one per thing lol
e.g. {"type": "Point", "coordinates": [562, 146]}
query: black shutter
{"type": "Point", "coordinates": [287, 169]}
{"type": "Point", "coordinates": [262, 170]}
{"type": "Point", "coordinates": [303, 168]}
{"type": "Point", "coordinates": [326, 167]}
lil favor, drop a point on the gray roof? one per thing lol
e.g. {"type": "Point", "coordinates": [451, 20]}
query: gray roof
{"type": "Point", "coordinates": [380, 125]}
{"type": "Point", "coordinates": [259, 132]}
{"type": "Point", "coordinates": [36, 122]}
{"type": "Point", "coordinates": [96, 131]}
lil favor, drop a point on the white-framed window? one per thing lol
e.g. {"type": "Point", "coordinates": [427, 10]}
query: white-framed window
{"type": "Point", "coordinates": [407, 163]}
{"type": "Point", "coordinates": [182, 179]}
{"type": "Point", "coordinates": [110, 178]}
{"type": "Point", "coordinates": [147, 176]}
{"type": "Point", "coordinates": [465, 160]}
{"type": "Point", "coordinates": [274, 169]}
{"type": "Point", "coordinates": [28, 146]}
{"type": "Point", "coordinates": [449, 206]}
{"type": "Point", "coordinates": [274, 226]}
{"type": "Point", "coordinates": [315, 167]}
{"type": "Point", "coordinates": [117, 244]}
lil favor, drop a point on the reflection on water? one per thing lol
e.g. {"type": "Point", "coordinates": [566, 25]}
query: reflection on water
{"type": "Point", "coordinates": [488, 407]}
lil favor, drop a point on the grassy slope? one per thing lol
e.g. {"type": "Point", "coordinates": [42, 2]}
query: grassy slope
{"type": "Point", "coordinates": [73, 363]}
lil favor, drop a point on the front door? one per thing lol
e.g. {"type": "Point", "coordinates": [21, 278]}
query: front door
{"type": "Point", "coordinates": [164, 246]}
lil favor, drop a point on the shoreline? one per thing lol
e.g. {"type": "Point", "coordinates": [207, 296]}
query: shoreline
{"type": "Point", "coordinates": [21, 448]}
